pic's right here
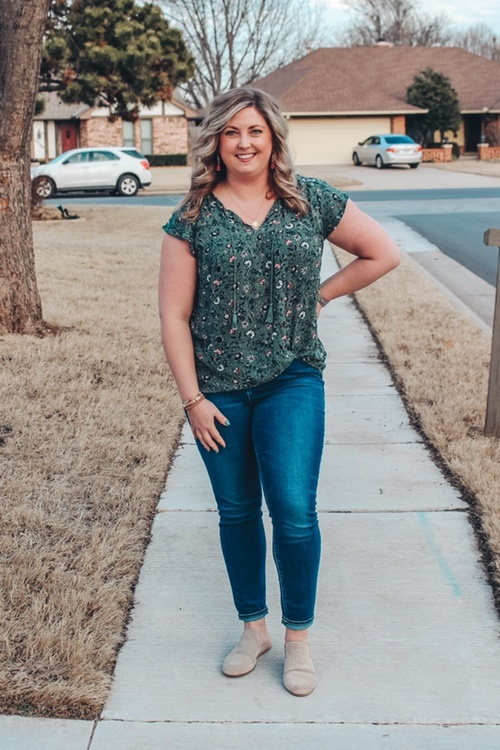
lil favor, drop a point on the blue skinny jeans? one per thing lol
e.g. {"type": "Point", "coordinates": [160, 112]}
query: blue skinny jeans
{"type": "Point", "coordinates": [274, 443]}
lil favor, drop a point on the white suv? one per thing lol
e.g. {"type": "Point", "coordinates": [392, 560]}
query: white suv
{"type": "Point", "coordinates": [105, 168]}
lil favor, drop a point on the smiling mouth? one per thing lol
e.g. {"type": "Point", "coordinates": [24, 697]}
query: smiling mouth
{"type": "Point", "coordinates": [244, 157]}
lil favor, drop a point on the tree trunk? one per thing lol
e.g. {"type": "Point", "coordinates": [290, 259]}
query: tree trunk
{"type": "Point", "coordinates": [21, 32]}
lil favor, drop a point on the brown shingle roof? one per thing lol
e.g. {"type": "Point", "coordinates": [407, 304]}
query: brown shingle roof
{"type": "Point", "coordinates": [374, 79]}
{"type": "Point", "coordinates": [55, 109]}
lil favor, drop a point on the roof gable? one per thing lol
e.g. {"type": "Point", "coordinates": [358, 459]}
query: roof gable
{"type": "Point", "coordinates": [56, 109]}
{"type": "Point", "coordinates": [374, 79]}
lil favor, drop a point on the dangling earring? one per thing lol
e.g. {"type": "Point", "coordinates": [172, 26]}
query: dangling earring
{"type": "Point", "coordinates": [218, 166]}
{"type": "Point", "coordinates": [272, 165]}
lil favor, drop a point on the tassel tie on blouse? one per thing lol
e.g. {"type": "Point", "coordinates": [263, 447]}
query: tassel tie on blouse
{"type": "Point", "coordinates": [270, 309]}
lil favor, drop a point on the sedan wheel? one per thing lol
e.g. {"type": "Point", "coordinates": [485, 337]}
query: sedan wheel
{"type": "Point", "coordinates": [414, 166]}
{"type": "Point", "coordinates": [44, 187]}
{"type": "Point", "coordinates": [378, 162]}
{"type": "Point", "coordinates": [127, 185]}
{"type": "Point", "coordinates": [356, 160]}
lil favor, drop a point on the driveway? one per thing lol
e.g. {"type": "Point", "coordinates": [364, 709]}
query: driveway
{"type": "Point", "coordinates": [426, 177]}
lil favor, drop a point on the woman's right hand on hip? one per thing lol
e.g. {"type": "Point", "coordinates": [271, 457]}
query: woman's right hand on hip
{"type": "Point", "coordinates": [203, 419]}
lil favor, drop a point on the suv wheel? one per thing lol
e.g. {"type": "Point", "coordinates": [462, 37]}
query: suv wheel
{"type": "Point", "coordinates": [378, 162]}
{"type": "Point", "coordinates": [355, 159]}
{"type": "Point", "coordinates": [44, 186]}
{"type": "Point", "coordinates": [127, 185]}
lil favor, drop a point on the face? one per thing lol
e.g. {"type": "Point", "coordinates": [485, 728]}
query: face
{"type": "Point", "coordinates": [246, 143]}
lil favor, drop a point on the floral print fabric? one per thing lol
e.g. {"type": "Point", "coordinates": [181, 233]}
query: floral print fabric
{"type": "Point", "coordinates": [255, 305]}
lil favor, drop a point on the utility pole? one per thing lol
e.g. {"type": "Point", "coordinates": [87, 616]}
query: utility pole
{"type": "Point", "coordinates": [492, 425]}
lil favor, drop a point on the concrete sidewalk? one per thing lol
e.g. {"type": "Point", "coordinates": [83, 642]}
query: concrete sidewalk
{"type": "Point", "coordinates": [406, 638]}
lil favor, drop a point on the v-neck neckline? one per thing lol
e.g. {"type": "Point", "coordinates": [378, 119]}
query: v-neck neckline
{"type": "Point", "coordinates": [246, 224]}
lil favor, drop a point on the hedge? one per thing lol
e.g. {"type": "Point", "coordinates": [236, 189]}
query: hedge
{"type": "Point", "coordinates": [167, 160]}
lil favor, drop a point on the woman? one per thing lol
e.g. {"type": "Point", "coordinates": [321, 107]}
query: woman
{"type": "Point", "coordinates": [239, 300]}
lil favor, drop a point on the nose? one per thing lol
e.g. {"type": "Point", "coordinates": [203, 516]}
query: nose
{"type": "Point", "coordinates": [244, 141]}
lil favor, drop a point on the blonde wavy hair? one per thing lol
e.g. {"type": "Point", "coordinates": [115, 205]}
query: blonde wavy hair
{"type": "Point", "coordinates": [204, 178]}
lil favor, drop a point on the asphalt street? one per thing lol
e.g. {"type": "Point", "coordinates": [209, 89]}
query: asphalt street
{"type": "Point", "coordinates": [451, 219]}
{"type": "Point", "coordinates": [372, 196]}
{"type": "Point", "coordinates": [460, 236]}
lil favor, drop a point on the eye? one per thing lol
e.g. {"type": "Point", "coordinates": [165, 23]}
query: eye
{"type": "Point", "coordinates": [230, 132]}
{"type": "Point", "coordinates": [256, 131]}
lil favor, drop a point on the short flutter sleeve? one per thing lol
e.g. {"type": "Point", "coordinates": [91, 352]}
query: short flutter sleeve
{"type": "Point", "coordinates": [178, 227]}
{"type": "Point", "coordinates": [327, 203]}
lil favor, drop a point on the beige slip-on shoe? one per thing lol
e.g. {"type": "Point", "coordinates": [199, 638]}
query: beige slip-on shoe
{"type": "Point", "coordinates": [299, 676]}
{"type": "Point", "coordinates": [242, 659]}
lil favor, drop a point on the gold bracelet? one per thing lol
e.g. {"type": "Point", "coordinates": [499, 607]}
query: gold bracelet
{"type": "Point", "coordinates": [322, 301]}
{"type": "Point", "coordinates": [190, 402]}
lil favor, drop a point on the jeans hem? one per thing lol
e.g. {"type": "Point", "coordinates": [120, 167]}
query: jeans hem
{"type": "Point", "coordinates": [254, 616]}
{"type": "Point", "coordinates": [297, 625]}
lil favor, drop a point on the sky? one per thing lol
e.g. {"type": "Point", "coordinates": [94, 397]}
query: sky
{"type": "Point", "coordinates": [463, 13]}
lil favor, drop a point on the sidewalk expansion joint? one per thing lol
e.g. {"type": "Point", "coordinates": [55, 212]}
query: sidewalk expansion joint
{"type": "Point", "coordinates": [94, 728]}
{"type": "Point", "coordinates": [236, 722]}
{"type": "Point", "coordinates": [378, 443]}
{"type": "Point", "coordinates": [384, 511]}
{"type": "Point", "coordinates": [187, 510]}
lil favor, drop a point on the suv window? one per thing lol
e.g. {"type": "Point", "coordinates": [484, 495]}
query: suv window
{"type": "Point", "coordinates": [132, 152]}
{"type": "Point", "coordinates": [103, 156]}
{"type": "Point", "coordinates": [79, 158]}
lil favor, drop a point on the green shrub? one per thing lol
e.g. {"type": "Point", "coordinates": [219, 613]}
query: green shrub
{"type": "Point", "coordinates": [167, 160]}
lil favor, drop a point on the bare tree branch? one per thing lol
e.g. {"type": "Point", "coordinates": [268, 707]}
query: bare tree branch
{"type": "Point", "coordinates": [399, 22]}
{"type": "Point", "coordinates": [480, 40]}
{"type": "Point", "coordinates": [235, 42]}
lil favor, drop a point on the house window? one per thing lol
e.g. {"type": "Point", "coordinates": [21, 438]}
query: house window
{"type": "Point", "coordinates": [147, 136]}
{"type": "Point", "coordinates": [128, 134]}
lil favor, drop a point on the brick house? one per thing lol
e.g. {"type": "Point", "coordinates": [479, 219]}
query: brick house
{"type": "Point", "coordinates": [162, 129]}
{"type": "Point", "coordinates": [335, 97]}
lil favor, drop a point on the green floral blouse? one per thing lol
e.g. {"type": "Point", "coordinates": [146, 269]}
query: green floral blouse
{"type": "Point", "coordinates": [255, 305]}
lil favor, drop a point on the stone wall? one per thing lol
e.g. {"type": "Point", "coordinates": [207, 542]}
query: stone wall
{"type": "Point", "coordinates": [486, 152]}
{"type": "Point", "coordinates": [443, 154]}
{"type": "Point", "coordinates": [170, 134]}
{"type": "Point", "coordinates": [398, 124]}
{"type": "Point", "coordinates": [99, 131]}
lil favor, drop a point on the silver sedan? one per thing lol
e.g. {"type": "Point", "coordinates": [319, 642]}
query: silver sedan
{"type": "Point", "coordinates": [386, 150]}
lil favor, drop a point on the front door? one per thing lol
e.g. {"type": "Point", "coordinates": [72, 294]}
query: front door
{"type": "Point", "coordinates": [472, 127]}
{"type": "Point", "coordinates": [69, 135]}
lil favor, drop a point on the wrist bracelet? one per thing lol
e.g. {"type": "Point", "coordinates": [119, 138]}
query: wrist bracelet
{"type": "Point", "coordinates": [190, 402]}
{"type": "Point", "coordinates": [322, 301]}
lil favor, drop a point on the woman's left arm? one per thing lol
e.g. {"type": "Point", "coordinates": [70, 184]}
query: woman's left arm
{"type": "Point", "coordinates": [376, 252]}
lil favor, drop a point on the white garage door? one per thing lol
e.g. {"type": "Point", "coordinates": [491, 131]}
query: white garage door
{"type": "Point", "coordinates": [330, 140]}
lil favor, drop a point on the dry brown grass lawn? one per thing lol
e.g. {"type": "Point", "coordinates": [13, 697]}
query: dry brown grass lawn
{"type": "Point", "coordinates": [88, 421]}
{"type": "Point", "coordinates": [440, 361]}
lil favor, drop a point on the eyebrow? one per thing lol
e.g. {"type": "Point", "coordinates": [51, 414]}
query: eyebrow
{"type": "Point", "coordinates": [250, 127]}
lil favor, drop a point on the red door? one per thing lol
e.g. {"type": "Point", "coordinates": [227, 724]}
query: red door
{"type": "Point", "coordinates": [69, 135]}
